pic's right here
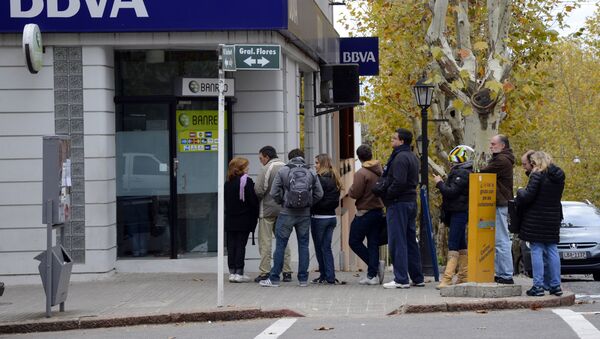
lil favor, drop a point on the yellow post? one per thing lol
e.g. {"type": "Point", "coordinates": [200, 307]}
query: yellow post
{"type": "Point", "coordinates": [482, 227]}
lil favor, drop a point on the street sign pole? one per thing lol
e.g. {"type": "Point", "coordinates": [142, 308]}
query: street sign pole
{"type": "Point", "coordinates": [221, 182]}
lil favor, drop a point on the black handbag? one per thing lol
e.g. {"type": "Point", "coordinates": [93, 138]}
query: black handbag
{"type": "Point", "coordinates": [514, 219]}
{"type": "Point", "coordinates": [381, 186]}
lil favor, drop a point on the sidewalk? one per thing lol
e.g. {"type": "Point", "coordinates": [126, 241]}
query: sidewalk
{"type": "Point", "coordinates": [127, 299]}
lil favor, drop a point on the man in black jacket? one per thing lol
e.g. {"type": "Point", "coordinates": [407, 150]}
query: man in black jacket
{"type": "Point", "coordinates": [400, 198]}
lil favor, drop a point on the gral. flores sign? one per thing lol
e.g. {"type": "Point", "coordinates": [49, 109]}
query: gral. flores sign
{"type": "Point", "coordinates": [33, 48]}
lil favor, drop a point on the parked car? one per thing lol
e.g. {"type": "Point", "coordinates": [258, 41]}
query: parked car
{"type": "Point", "coordinates": [579, 247]}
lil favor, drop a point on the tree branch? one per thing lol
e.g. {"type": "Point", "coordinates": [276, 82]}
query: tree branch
{"type": "Point", "coordinates": [499, 12]}
{"type": "Point", "coordinates": [435, 37]}
{"type": "Point", "coordinates": [463, 38]}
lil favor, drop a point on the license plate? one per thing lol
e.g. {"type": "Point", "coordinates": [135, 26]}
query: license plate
{"type": "Point", "coordinates": [571, 255]}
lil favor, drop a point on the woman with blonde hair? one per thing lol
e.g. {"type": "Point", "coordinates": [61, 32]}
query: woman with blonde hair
{"type": "Point", "coordinates": [541, 210]}
{"type": "Point", "coordinates": [241, 216]}
{"type": "Point", "coordinates": [323, 218]}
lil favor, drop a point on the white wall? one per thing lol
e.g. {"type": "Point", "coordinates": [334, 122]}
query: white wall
{"type": "Point", "coordinates": [26, 114]}
{"type": "Point", "coordinates": [99, 146]}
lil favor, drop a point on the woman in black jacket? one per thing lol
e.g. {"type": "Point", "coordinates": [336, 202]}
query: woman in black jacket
{"type": "Point", "coordinates": [241, 216]}
{"type": "Point", "coordinates": [541, 215]}
{"type": "Point", "coordinates": [455, 208]}
{"type": "Point", "coordinates": [323, 218]}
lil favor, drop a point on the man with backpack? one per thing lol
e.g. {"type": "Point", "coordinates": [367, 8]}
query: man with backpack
{"type": "Point", "coordinates": [296, 188]}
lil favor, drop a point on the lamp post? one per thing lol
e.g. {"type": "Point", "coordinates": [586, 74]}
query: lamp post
{"type": "Point", "coordinates": [423, 95]}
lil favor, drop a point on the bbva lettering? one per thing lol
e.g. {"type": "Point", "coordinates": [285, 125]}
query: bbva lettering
{"type": "Point", "coordinates": [358, 57]}
{"type": "Point", "coordinates": [96, 8]}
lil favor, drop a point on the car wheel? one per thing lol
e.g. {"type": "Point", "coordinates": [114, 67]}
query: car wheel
{"type": "Point", "coordinates": [521, 267]}
{"type": "Point", "coordinates": [597, 276]}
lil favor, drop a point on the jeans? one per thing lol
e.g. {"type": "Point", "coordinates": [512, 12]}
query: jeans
{"type": "Point", "coordinates": [322, 232]}
{"type": "Point", "coordinates": [457, 239]}
{"type": "Point", "coordinates": [367, 226]}
{"type": "Point", "coordinates": [283, 229]}
{"type": "Point", "coordinates": [402, 242]}
{"type": "Point", "coordinates": [266, 229]}
{"type": "Point", "coordinates": [545, 256]}
{"type": "Point", "coordinates": [503, 262]}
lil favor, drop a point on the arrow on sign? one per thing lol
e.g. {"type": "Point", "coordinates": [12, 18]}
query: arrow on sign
{"type": "Point", "coordinates": [249, 61]}
{"type": "Point", "coordinates": [263, 61]}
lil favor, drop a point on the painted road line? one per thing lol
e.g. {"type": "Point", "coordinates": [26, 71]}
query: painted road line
{"type": "Point", "coordinates": [592, 296]}
{"type": "Point", "coordinates": [583, 328]}
{"type": "Point", "coordinates": [277, 329]}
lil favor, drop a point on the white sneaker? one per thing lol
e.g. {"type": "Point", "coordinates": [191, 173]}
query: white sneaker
{"type": "Point", "coordinates": [372, 281]}
{"type": "Point", "coordinates": [267, 283]}
{"type": "Point", "coordinates": [394, 284]}
{"type": "Point", "coordinates": [233, 278]}
{"type": "Point", "coordinates": [363, 281]}
{"type": "Point", "coordinates": [242, 278]}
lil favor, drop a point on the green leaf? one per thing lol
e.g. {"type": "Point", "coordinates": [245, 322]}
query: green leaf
{"type": "Point", "coordinates": [464, 74]}
{"type": "Point", "coordinates": [458, 104]}
{"type": "Point", "coordinates": [494, 86]}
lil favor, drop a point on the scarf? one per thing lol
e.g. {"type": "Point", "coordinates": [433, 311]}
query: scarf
{"type": "Point", "coordinates": [243, 180]}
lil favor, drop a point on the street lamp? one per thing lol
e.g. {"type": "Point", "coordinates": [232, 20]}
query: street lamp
{"type": "Point", "coordinates": [423, 94]}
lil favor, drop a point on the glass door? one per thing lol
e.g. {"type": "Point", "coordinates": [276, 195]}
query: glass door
{"type": "Point", "coordinates": [143, 179]}
{"type": "Point", "coordinates": [197, 143]}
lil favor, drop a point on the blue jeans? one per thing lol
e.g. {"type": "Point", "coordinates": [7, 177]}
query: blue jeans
{"type": "Point", "coordinates": [322, 232]}
{"type": "Point", "coordinates": [457, 239]}
{"type": "Point", "coordinates": [545, 256]}
{"type": "Point", "coordinates": [283, 229]}
{"type": "Point", "coordinates": [503, 262]}
{"type": "Point", "coordinates": [402, 242]}
{"type": "Point", "coordinates": [367, 226]}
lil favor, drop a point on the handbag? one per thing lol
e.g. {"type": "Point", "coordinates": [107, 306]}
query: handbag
{"type": "Point", "coordinates": [514, 219]}
{"type": "Point", "coordinates": [381, 186]}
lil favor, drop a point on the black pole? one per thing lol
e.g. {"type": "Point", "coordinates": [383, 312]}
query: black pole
{"type": "Point", "coordinates": [423, 239]}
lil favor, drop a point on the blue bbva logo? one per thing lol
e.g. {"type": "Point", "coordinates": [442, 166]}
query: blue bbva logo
{"type": "Point", "coordinates": [95, 8]}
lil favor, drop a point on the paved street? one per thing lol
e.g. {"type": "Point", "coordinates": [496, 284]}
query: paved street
{"type": "Point", "coordinates": [495, 324]}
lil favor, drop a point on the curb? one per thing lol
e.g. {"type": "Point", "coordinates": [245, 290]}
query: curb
{"type": "Point", "coordinates": [567, 299]}
{"type": "Point", "coordinates": [156, 319]}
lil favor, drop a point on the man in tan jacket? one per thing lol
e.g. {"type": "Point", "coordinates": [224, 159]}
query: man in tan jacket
{"type": "Point", "coordinates": [369, 216]}
{"type": "Point", "coordinates": [269, 210]}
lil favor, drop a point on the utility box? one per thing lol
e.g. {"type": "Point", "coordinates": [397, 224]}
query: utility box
{"type": "Point", "coordinates": [61, 273]}
{"type": "Point", "coordinates": [56, 180]}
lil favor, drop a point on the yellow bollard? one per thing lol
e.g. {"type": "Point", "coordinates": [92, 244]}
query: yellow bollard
{"type": "Point", "coordinates": [482, 227]}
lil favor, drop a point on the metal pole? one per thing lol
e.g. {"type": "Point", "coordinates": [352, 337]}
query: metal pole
{"type": "Point", "coordinates": [424, 245]}
{"type": "Point", "coordinates": [61, 307]}
{"type": "Point", "coordinates": [49, 258]}
{"type": "Point", "coordinates": [221, 182]}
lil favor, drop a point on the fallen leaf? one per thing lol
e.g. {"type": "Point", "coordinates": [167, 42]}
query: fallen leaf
{"type": "Point", "coordinates": [535, 307]}
{"type": "Point", "coordinates": [357, 275]}
{"type": "Point", "coordinates": [171, 337]}
{"type": "Point", "coordinates": [323, 328]}
{"type": "Point", "coordinates": [196, 279]}
{"type": "Point", "coordinates": [481, 311]}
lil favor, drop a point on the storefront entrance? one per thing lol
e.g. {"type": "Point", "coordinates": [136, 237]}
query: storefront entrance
{"type": "Point", "coordinates": [166, 161]}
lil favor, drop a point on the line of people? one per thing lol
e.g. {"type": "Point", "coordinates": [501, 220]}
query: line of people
{"type": "Point", "coordinates": [294, 196]}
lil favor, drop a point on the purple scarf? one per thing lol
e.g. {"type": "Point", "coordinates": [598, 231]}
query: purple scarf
{"type": "Point", "coordinates": [243, 180]}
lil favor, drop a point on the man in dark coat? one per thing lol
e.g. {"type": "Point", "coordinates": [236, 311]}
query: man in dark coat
{"type": "Point", "coordinates": [501, 164]}
{"type": "Point", "coordinates": [400, 198]}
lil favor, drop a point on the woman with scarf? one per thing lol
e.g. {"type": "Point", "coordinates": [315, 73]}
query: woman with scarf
{"type": "Point", "coordinates": [241, 216]}
{"type": "Point", "coordinates": [323, 218]}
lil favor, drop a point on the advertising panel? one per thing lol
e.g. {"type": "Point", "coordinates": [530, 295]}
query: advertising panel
{"type": "Point", "coordinates": [198, 130]}
{"type": "Point", "coordinates": [482, 227]}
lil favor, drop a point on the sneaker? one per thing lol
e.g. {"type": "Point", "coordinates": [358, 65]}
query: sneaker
{"type": "Point", "coordinates": [233, 278]}
{"type": "Point", "coordinates": [501, 280]}
{"type": "Point", "coordinates": [363, 281]}
{"type": "Point", "coordinates": [394, 284]}
{"type": "Point", "coordinates": [419, 284]}
{"type": "Point", "coordinates": [261, 277]}
{"type": "Point", "coordinates": [268, 283]}
{"type": "Point", "coordinates": [242, 278]}
{"type": "Point", "coordinates": [302, 283]}
{"type": "Point", "coordinates": [535, 291]}
{"type": "Point", "coordinates": [557, 291]}
{"type": "Point", "coordinates": [317, 281]}
{"type": "Point", "coordinates": [381, 271]}
{"type": "Point", "coordinates": [371, 281]}
{"type": "Point", "coordinates": [287, 277]}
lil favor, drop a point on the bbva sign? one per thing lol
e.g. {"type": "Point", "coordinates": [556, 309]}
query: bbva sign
{"type": "Point", "coordinates": [363, 51]}
{"type": "Point", "coordinates": [95, 8]}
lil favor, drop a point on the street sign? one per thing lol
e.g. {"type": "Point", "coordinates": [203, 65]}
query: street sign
{"type": "Point", "coordinates": [229, 58]}
{"type": "Point", "coordinates": [257, 57]}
